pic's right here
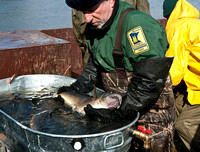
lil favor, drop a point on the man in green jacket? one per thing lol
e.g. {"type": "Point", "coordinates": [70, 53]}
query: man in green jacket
{"type": "Point", "coordinates": [137, 68]}
{"type": "Point", "coordinates": [78, 21]}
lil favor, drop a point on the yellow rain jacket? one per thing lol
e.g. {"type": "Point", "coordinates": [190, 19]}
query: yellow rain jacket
{"type": "Point", "coordinates": [183, 34]}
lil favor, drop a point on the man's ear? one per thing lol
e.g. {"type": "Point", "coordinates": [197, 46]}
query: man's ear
{"type": "Point", "coordinates": [112, 2]}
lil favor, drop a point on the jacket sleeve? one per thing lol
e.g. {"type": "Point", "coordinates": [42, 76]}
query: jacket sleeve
{"type": "Point", "coordinates": [85, 83]}
{"type": "Point", "coordinates": [147, 83]}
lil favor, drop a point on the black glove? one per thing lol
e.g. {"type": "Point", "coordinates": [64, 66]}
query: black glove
{"type": "Point", "coordinates": [148, 81]}
{"type": "Point", "coordinates": [64, 88]}
{"type": "Point", "coordinates": [108, 115]}
{"type": "Point", "coordinates": [68, 88]}
{"type": "Point", "coordinates": [85, 83]}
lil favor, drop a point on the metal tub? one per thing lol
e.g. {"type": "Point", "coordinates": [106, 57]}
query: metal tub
{"type": "Point", "coordinates": [19, 138]}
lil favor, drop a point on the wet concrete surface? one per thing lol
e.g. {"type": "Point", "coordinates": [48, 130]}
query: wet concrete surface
{"type": "Point", "coordinates": [21, 39]}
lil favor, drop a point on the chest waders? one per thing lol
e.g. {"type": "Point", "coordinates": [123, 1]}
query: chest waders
{"type": "Point", "coordinates": [158, 117]}
{"type": "Point", "coordinates": [118, 80]}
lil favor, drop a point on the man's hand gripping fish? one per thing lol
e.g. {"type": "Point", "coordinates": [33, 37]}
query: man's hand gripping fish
{"type": "Point", "coordinates": [79, 101]}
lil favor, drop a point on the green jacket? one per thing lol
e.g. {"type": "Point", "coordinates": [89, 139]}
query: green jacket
{"type": "Point", "coordinates": [142, 37]}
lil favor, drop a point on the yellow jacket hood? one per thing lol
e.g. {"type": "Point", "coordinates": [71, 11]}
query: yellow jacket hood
{"type": "Point", "coordinates": [183, 9]}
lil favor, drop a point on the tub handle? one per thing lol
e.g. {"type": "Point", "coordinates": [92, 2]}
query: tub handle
{"type": "Point", "coordinates": [113, 140]}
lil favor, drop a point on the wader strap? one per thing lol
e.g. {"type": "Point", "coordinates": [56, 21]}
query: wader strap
{"type": "Point", "coordinates": [119, 30]}
{"type": "Point", "coordinates": [117, 53]}
{"type": "Point", "coordinates": [118, 80]}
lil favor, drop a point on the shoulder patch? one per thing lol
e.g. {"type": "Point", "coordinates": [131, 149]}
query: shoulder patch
{"type": "Point", "coordinates": [137, 40]}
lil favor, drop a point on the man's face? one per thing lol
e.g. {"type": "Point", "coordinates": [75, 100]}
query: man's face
{"type": "Point", "coordinates": [100, 13]}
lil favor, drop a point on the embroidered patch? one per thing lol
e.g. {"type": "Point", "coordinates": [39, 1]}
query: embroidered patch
{"type": "Point", "coordinates": [138, 40]}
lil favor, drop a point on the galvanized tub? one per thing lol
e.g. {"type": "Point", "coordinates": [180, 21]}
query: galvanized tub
{"type": "Point", "coordinates": [17, 137]}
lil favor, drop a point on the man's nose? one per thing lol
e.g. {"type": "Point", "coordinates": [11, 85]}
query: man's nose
{"type": "Point", "coordinates": [88, 17]}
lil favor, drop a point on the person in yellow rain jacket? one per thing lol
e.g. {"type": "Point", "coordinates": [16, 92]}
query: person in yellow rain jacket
{"type": "Point", "coordinates": [183, 34]}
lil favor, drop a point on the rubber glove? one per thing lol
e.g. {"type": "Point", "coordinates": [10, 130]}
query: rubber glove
{"type": "Point", "coordinates": [108, 115]}
{"type": "Point", "coordinates": [146, 85]}
{"type": "Point", "coordinates": [85, 83]}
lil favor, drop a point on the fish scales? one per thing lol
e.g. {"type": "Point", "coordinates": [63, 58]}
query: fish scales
{"type": "Point", "coordinates": [79, 101]}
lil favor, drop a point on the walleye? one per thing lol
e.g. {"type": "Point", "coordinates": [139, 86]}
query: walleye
{"type": "Point", "coordinates": [79, 101]}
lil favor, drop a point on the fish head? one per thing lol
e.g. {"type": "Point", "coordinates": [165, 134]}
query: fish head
{"type": "Point", "coordinates": [108, 101]}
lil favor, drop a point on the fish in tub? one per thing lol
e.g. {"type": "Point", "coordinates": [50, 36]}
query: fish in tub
{"type": "Point", "coordinates": [79, 101]}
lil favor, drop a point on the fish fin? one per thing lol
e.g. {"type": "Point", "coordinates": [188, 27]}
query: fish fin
{"type": "Point", "coordinates": [95, 93]}
{"type": "Point", "coordinates": [55, 95]}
